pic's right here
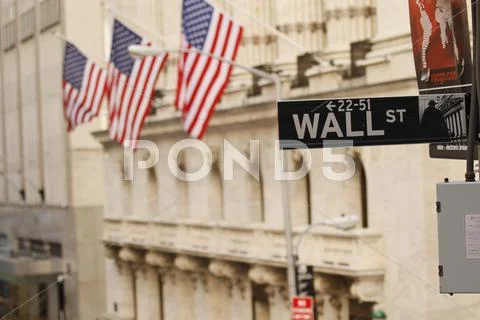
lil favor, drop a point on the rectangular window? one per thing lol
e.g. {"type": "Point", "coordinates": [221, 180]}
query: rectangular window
{"type": "Point", "coordinates": [4, 248]}
{"type": "Point", "coordinates": [55, 249]}
{"type": "Point", "coordinates": [49, 14]}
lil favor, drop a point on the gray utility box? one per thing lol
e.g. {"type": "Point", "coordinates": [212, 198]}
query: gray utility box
{"type": "Point", "coordinates": [458, 208]}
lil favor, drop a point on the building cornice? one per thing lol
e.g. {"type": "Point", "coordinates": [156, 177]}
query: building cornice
{"type": "Point", "coordinates": [261, 111]}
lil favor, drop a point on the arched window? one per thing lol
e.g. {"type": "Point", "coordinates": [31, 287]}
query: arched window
{"type": "Point", "coordinates": [357, 195]}
{"type": "Point", "coordinates": [363, 191]}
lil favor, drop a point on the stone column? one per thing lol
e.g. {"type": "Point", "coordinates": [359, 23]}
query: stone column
{"type": "Point", "coordinates": [159, 265]}
{"type": "Point", "coordinates": [125, 304]}
{"type": "Point", "coordinates": [191, 286]}
{"type": "Point", "coordinates": [279, 304]}
{"type": "Point", "coordinates": [232, 289]}
{"type": "Point", "coordinates": [333, 294]}
{"type": "Point", "coordinates": [170, 298]}
{"type": "Point", "coordinates": [276, 288]}
{"type": "Point", "coordinates": [241, 300]}
{"type": "Point", "coordinates": [111, 278]}
{"type": "Point", "coordinates": [129, 260]}
{"type": "Point", "coordinates": [148, 294]}
{"type": "Point", "coordinates": [205, 296]}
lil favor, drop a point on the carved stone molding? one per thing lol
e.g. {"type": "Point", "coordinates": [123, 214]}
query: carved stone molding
{"type": "Point", "coordinates": [124, 268]}
{"type": "Point", "coordinates": [235, 273]}
{"type": "Point", "coordinates": [241, 285]}
{"type": "Point", "coordinates": [172, 276]}
{"type": "Point", "coordinates": [368, 289]}
{"type": "Point", "coordinates": [320, 303]}
{"type": "Point", "coordinates": [194, 268]}
{"type": "Point", "coordinates": [163, 272]}
{"type": "Point", "coordinates": [258, 39]}
{"type": "Point", "coordinates": [199, 278]}
{"type": "Point", "coordinates": [267, 275]}
{"type": "Point", "coordinates": [131, 255]}
{"type": "Point", "coordinates": [159, 260]}
{"type": "Point", "coordinates": [350, 12]}
{"type": "Point", "coordinates": [225, 269]}
{"type": "Point", "coordinates": [337, 304]}
{"type": "Point", "coordinates": [191, 264]}
{"type": "Point", "coordinates": [139, 270]}
{"type": "Point", "coordinates": [302, 27]}
{"type": "Point", "coordinates": [270, 291]}
{"type": "Point", "coordinates": [273, 291]}
{"type": "Point", "coordinates": [111, 252]}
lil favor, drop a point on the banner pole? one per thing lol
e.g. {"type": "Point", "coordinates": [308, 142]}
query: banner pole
{"type": "Point", "coordinates": [473, 121]}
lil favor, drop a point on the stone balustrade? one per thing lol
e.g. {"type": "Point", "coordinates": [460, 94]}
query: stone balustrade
{"type": "Point", "coordinates": [352, 253]}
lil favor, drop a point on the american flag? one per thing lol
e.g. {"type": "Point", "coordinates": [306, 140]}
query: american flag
{"type": "Point", "coordinates": [130, 85]}
{"type": "Point", "coordinates": [202, 79]}
{"type": "Point", "coordinates": [83, 87]}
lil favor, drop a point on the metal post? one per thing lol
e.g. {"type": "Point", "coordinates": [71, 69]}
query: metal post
{"type": "Point", "coordinates": [291, 258]}
{"type": "Point", "coordinates": [287, 219]}
{"type": "Point", "coordinates": [473, 121]}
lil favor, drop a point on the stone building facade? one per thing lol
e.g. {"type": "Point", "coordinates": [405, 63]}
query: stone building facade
{"type": "Point", "coordinates": [214, 249]}
{"type": "Point", "coordinates": [51, 189]}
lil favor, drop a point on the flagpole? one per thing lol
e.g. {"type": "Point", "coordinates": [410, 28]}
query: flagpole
{"type": "Point", "coordinates": [142, 51]}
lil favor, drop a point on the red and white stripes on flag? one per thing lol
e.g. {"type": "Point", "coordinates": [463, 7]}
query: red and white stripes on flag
{"type": "Point", "coordinates": [202, 79]}
{"type": "Point", "coordinates": [83, 87]}
{"type": "Point", "coordinates": [130, 86]}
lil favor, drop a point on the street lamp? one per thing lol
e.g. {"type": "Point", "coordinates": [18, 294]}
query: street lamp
{"type": "Point", "coordinates": [303, 274]}
{"type": "Point", "coordinates": [345, 223]}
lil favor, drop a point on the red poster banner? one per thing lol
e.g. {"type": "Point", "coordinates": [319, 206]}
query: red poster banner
{"type": "Point", "coordinates": [441, 45]}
